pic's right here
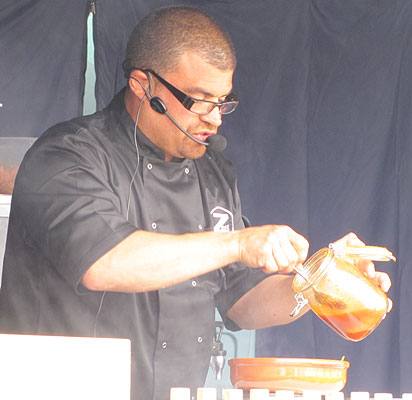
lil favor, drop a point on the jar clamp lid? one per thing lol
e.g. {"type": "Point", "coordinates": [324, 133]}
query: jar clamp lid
{"type": "Point", "coordinates": [373, 253]}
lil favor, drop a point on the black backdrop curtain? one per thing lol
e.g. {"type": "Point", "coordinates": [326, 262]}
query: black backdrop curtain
{"type": "Point", "coordinates": [321, 141]}
{"type": "Point", "coordinates": [42, 63]}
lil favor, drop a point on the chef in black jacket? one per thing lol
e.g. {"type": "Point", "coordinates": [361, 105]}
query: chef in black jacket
{"type": "Point", "coordinates": [127, 223]}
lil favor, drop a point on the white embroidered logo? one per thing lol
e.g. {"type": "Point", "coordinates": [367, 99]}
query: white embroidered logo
{"type": "Point", "coordinates": [223, 219]}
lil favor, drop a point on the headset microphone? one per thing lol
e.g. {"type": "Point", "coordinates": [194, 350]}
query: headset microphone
{"type": "Point", "coordinates": [215, 142]}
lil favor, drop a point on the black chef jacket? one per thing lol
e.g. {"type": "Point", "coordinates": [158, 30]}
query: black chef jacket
{"type": "Point", "coordinates": [82, 189]}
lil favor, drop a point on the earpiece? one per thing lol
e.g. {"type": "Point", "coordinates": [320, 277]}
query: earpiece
{"type": "Point", "coordinates": [157, 104]}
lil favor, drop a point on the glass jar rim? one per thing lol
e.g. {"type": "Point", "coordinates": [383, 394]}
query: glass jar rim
{"type": "Point", "coordinates": [313, 269]}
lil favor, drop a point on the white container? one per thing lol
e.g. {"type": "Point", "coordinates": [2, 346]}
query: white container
{"type": "Point", "coordinates": [232, 394]}
{"type": "Point", "coordinates": [359, 396]}
{"type": "Point", "coordinates": [179, 393]}
{"type": "Point", "coordinates": [335, 396]}
{"type": "Point", "coordinates": [383, 396]}
{"type": "Point", "coordinates": [36, 367]}
{"type": "Point", "coordinates": [5, 200]}
{"type": "Point", "coordinates": [259, 394]}
{"type": "Point", "coordinates": [206, 393]}
{"type": "Point", "coordinates": [311, 395]}
{"type": "Point", "coordinates": [284, 394]}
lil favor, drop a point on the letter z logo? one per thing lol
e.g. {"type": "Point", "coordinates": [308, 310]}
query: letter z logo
{"type": "Point", "coordinates": [223, 219]}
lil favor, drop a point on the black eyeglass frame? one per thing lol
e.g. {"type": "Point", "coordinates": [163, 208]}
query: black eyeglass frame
{"type": "Point", "coordinates": [188, 101]}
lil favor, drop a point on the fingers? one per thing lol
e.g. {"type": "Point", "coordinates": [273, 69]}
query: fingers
{"type": "Point", "coordinates": [350, 239]}
{"type": "Point", "coordinates": [366, 266]}
{"type": "Point", "coordinates": [390, 305]}
{"type": "Point", "coordinates": [274, 248]}
{"type": "Point", "coordinates": [283, 253]}
{"type": "Point", "coordinates": [381, 279]}
{"type": "Point", "coordinates": [289, 248]}
{"type": "Point", "coordinates": [300, 244]}
{"type": "Point", "coordinates": [353, 240]}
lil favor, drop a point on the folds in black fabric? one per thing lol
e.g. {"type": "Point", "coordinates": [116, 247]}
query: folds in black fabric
{"type": "Point", "coordinates": [42, 63]}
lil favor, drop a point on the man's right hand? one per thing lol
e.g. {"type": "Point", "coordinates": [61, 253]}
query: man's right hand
{"type": "Point", "coordinates": [273, 248]}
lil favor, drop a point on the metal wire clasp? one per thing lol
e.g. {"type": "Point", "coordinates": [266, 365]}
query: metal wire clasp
{"type": "Point", "coordinates": [301, 302]}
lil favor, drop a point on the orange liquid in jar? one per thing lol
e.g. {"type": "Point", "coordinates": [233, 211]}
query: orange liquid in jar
{"type": "Point", "coordinates": [354, 325]}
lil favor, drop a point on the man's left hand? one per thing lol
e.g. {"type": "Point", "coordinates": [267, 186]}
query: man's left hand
{"type": "Point", "coordinates": [366, 266]}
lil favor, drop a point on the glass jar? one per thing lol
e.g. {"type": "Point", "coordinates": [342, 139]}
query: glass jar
{"type": "Point", "coordinates": [339, 293]}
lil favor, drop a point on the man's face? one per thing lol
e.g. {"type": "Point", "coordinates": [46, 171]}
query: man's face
{"type": "Point", "coordinates": [197, 79]}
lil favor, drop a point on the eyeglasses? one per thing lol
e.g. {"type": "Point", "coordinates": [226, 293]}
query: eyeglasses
{"type": "Point", "coordinates": [201, 107]}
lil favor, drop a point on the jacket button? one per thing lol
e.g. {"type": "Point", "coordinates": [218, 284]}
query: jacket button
{"type": "Point", "coordinates": [186, 171]}
{"type": "Point", "coordinates": [154, 225]}
{"type": "Point", "coordinates": [194, 283]}
{"type": "Point", "coordinates": [149, 166]}
{"type": "Point", "coordinates": [200, 339]}
{"type": "Point", "coordinates": [164, 345]}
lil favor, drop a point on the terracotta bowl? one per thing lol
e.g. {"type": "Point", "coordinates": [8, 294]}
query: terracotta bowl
{"type": "Point", "coordinates": [297, 374]}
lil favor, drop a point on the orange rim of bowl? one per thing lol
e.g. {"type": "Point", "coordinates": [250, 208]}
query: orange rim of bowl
{"type": "Point", "coordinates": [301, 362]}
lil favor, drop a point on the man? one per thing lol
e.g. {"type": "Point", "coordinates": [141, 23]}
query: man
{"type": "Point", "coordinates": [127, 223]}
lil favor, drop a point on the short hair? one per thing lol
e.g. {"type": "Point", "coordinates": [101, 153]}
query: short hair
{"type": "Point", "coordinates": [162, 37]}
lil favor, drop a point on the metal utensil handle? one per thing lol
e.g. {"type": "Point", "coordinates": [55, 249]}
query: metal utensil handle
{"type": "Point", "coordinates": [300, 272]}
